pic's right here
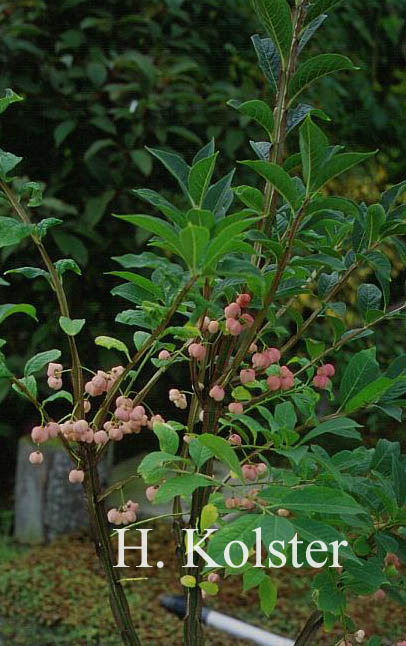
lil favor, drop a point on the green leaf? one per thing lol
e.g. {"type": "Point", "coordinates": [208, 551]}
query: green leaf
{"type": "Point", "coordinates": [330, 598]}
{"type": "Point", "coordinates": [375, 219]}
{"type": "Point", "coordinates": [241, 394]}
{"type": "Point", "coordinates": [63, 130]}
{"type": "Point", "coordinates": [9, 98]}
{"type": "Point", "coordinates": [71, 327]}
{"type": "Point", "coordinates": [241, 529]}
{"type": "Point", "coordinates": [36, 363]}
{"type": "Point", "coordinates": [97, 73]}
{"type": "Point", "coordinates": [152, 465]}
{"type": "Point", "coordinates": [67, 264]}
{"type": "Point", "coordinates": [154, 225]}
{"type": "Point", "coordinates": [8, 161]}
{"type": "Point", "coordinates": [209, 588]}
{"type": "Point", "coordinates": [341, 426]}
{"type": "Point", "coordinates": [222, 451]}
{"type": "Point", "coordinates": [268, 595]}
{"type": "Point", "coordinates": [141, 281]}
{"type": "Point", "coordinates": [12, 231]}
{"type": "Point", "coordinates": [199, 453]}
{"type": "Point", "coordinates": [285, 415]}
{"type": "Point", "coordinates": [314, 69]}
{"type": "Point", "coordinates": [391, 195]}
{"type": "Point", "coordinates": [168, 438]}
{"type": "Point", "coordinates": [369, 297]}
{"type": "Point", "coordinates": [337, 165]}
{"type": "Point", "coordinates": [313, 150]}
{"type": "Point", "coordinates": [251, 197]}
{"type": "Point", "coordinates": [225, 241]}
{"type": "Point", "coordinates": [60, 394]}
{"type": "Point", "coordinates": [194, 240]}
{"type": "Point", "coordinates": [208, 516]}
{"type": "Point", "coordinates": [268, 59]}
{"type": "Point", "coordinates": [276, 18]}
{"type": "Point", "coordinates": [319, 7]}
{"type": "Point", "coordinates": [30, 384]}
{"type": "Point", "coordinates": [279, 178]}
{"type": "Point", "coordinates": [309, 31]}
{"type": "Point", "coordinates": [175, 165]}
{"type": "Point", "coordinates": [28, 272]}
{"type": "Point", "coordinates": [112, 344]}
{"type": "Point", "coordinates": [361, 370]}
{"type": "Point", "coordinates": [199, 179]}
{"type": "Point", "coordinates": [371, 393]}
{"type": "Point", "coordinates": [188, 581]}
{"type": "Point", "coordinates": [183, 485]}
{"type": "Point", "coordinates": [22, 308]}
{"type": "Point", "coordinates": [257, 110]}
{"type": "Point", "coordinates": [314, 499]}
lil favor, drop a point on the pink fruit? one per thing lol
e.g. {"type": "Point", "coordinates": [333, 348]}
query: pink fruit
{"type": "Point", "coordinates": [261, 468]}
{"type": "Point", "coordinates": [217, 393]}
{"type": "Point", "coordinates": [76, 476]}
{"type": "Point", "coordinates": [86, 406]}
{"type": "Point", "coordinates": [174, 394]}
{"type": "Point", "coordinates": [88, 437]}
{"type": "Point", "coordinates": [164, 355]}
{"type": "Point", "coordinates": [137, 413]}
{"type": "Point", "coordinates": [233, 326]}
{"type": "Point", "coordinates": [273, 355]}
{"type": "Point", "coordinates": [284, 513]}
{"type": "Point", "coordinates": [231, 503]}
{"type": "Point", "coordinates": [114, 517]}
{"type": "Point", "coordinates": [39, 434]}
{"type": "Point", "coordinates": [249, 472]}
{"type": "Point", "coordinates": [273, 383]}
{"type": "Point", "coordinates": [150, 493]}
{"type": "Point", "coordinates": [246, 503]}
{"type": "Point", "coordinates": [128, 517]}
{"type": "Point", "coordinates": [54, 369]}
{"type": "Point", "coordinates": [53, 429]}
{"type": "Point", "coordinates": [393, 559]}
{"type": "Point", "coordinates": [213, 577]}
{"type": "Point", "coordinates": [247, 375]}
{"type": "Point", "coordinates": [80, 427]}
{"type": "Point", "coordinates": [115, 434]}
{"type": "Point", "coordinates": [213, 327]}
{"type": "Point", "coordinates": [36, 457]}
{"type": "Point", "coordinates": [90, 389]}
{"type": "Point", "coordinates": [321, 381]}
{"type": "Point", "coordinates": [236, 408]}
{"type": "Point", "coordinates": [379, 595]}
{"type": "Point", "coordinates": [243, 300]}
{"type": "Point", "coordinates": [197, 351]}
{"type": "Point", "coordinates": [287, 383]}
{"type": "Point", "coordinates": [232, 311]}
{"type": "Point", "coordinates": [235, 439]}
{"type": "Point", "coordinates": [55, 383]}
{"type": "Point", "coordinates": [122, 414]}
{"type": "Point", "coordinates": [259, 360]}
{"type": "Point", "coordinates": [132, 506]}
{"type": "Point", "coordinates": [117, 371]}
{"type": "Point", "coordinates": [181, 402]}
{"type": "Point", "coordinates": [285, 372]}
{"type": "Point", "coordinates": [253, 348]}
{"type": "Point", "coordinates": [100, 437]}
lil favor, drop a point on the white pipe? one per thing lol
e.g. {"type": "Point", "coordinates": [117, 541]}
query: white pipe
{"type": "Point", "coordinates": [243, 630]}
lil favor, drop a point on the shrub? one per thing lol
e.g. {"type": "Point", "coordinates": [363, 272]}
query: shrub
{"type": "Point", "coordinates": [219, 297]}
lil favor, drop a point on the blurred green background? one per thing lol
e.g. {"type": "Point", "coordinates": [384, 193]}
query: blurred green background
{"type": "Point", "coordinates": [101, 82]}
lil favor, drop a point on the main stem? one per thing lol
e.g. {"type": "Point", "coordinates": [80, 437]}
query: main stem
{"type": "Point", "coordinates": [104, 550]}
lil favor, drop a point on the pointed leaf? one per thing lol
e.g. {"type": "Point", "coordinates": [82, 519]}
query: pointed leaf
{"type": "Point", "coordinates": [276, 18]}
{"type": "Point", "coordinates": [279, 178]}
{"type": "Point", "coordinates": [257, 110]}
{"type": "Point", "coordinates": [8, 98]}
{"type": "Point", "coordinates": [175, 164]}
{"type": "Point", "coordinates": [36, 363]}
{"type": "Point", "coordinates": [337, 165]}
{"type": "Point", "coordinates": [316, 68]}
{"type": "Point", "coordinates": [71, 327]}
{"type": "Point", "coordinates": [199, 178]}
{"type": "Point", "coordinates": [23, 308]}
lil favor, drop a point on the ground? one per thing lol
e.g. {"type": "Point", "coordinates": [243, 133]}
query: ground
{"type": "Point", "coordinates": [57, 595]}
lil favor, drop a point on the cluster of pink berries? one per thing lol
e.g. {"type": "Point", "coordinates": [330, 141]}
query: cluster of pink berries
{"type": "Point", "coordinates": [243, 503]}
{"type": "Point", "coordinates": [393, 560]}
{"type": "Point", "coordinates": [54, 374]}
{"type": "Point", "coordinates": [103, 381]}
{"type": "Point", "coordinates": [125, 515]}
{"type": "Point", "coordinates": [178, 398]}
{"type": "Point", "coordinates": [321, 379]}
{"type": "Point", "coordinates": [252, 472]}
{"type": "Point", "coordinates": [236, 320]}
{"type": "Point", "coordinates": [128, 419]}
{"type": "Point", "coordinates": [285, 380]}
